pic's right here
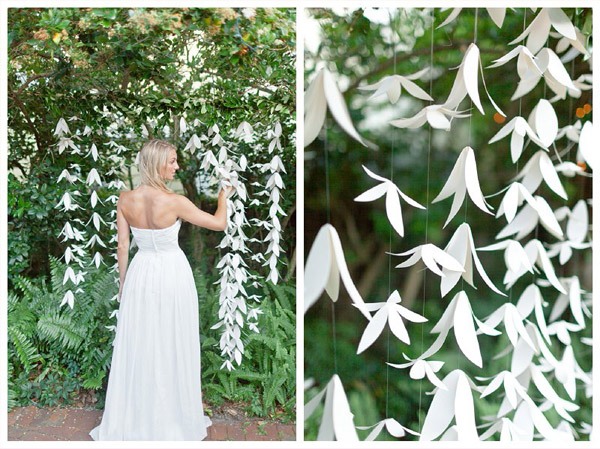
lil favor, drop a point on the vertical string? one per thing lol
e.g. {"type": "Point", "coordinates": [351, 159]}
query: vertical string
{"type": "Point", "coordinates": [328, 210]}
{"type": "Point", "coordinates": [427, 208]}
{"type": "Point", "coordinates": [387, 365]}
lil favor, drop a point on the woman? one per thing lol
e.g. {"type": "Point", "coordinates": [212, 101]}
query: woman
{"type": "Point", "coordinates": [154, 383]}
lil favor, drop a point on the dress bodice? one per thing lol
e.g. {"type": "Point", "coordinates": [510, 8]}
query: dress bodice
{"type": "Point", "coordinates": [157, 240]}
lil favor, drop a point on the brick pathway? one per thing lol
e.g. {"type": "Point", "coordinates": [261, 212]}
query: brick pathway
{"type": "Point", "coordinates": [73, 424]}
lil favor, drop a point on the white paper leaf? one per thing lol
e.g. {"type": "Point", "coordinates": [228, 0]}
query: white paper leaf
{"type": "Point", "coordinates": [539, 168]}
{"type": "Point", "coordinates": [586, 144]}
{"type": "Point", "coordinates": [546, 122]}
{"type": "Point", "coordinates": [323, 92]}
{"type": "Point", "coordinates": [432, 256]}
{"type": "Point", "coordinates": [462, 179]}
{"type": "Point", "coordinates": [392, 200]}
{"type": "Point", "coordinates": [325, 265]}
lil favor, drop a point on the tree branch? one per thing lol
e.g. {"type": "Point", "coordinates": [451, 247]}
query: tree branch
{"type": "Point", "coordinates": [21, 106]}
{"type": "Point", "coordinates": [31, 79]}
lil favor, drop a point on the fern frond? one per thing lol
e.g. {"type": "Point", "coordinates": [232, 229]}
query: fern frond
{"type": "Point", "coordinates": [24, 348]}
{"type": "Point", "coordinates": [61, 329]}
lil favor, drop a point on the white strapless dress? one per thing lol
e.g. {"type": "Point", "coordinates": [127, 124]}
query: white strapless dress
{"type": "Point", "coordinates": [154, 382]}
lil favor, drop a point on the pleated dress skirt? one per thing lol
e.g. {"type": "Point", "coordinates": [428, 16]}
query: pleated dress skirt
{"type": "Point", "coordinates": [154, 385]}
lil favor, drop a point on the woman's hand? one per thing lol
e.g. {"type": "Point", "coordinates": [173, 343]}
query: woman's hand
{"type": "Point", "coordinates": [227, 191]}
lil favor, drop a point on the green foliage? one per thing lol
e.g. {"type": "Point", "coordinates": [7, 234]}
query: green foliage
{"type": "Point", "coordinates": [266, 380]}
{"type": "Point", "coordinates": [54, 351]}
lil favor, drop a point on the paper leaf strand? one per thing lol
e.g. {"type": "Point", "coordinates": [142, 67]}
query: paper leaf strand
{"type": "Point", "coordinates": [325, 265]}
{"type": "Point", "coordinates": [463, 179]}
{"type": "Point", "coordinates": [390, 312]}
{"type": "Point", "coordinates": [392, 200]}
{"type": "Point", "coordinates": [323, 92]}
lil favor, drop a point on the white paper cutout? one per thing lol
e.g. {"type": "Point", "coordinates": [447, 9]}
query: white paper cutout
{"type": "Point", "coordinates": [587, 147]}
{"type": "Point", "coordinates": [528, 217]}
{"type": "Point", "coordinates": [544, 122]}
{"type": "Point", "coordinates": [392, 87]}
{"type": "Point", "coordinates": [577, 46]}
{"type": "Point", "coordinates": [458, 315]}
{"type": "Point", "coordinates": [511, 385]}
{"type": "Point", "coordinates": [539, 168]}
{"type": "Point", "coordinates": [570, 131]}
{"type": "Point", "coordinates": [537, 255]}
{"type": "Point", "coordinates": [577, 230]}
{"type": "Point", "coordinates": [393, 427]}
{"type": "Point", "coordinates": [508, 314]}
{"type": "Point", "coordinates": [518, 128]}
{"type": "Point", "coordinates": [515, 258]}
{"type": "Point", "coordinates": [325, 265]}
{"type": "Point", "coordinates": [419, 369]}
{"type": "Point", "coordinates": [392, 200]}
{"type": "Point", "coordinates": [572, 299]}
{"type": "Point", "coordinates": [531, 301]}
{"type": "Point", "coordinates": [569, 169]}
{"type": "Point", "coordinates": [338, 421]}
{"type": "Point", "coordinates": [497, 15]}
{"type": "Point", "coordinates": [438, 116]}
{"type": "Point", "coordinates": [463, 179]}
{"type": "Point", "coordinates": [432, 256]}
{"type": "Point", "coordinates": [526, 62]}
{"type": "Point", "coordinates": [466, 82]}
{"type": "Point", "coordinates": [562, 406]}
{"type": "Point", "coordinates": [462, 247]}
{"type": "Point", "coordinates": [390, 312]}
{"type": "Point", "coordinates": [538, 30]}
{"type": "Point", "coordinates": [555, 75]}
{"type": "Point", "coordinates": [324, 92]}
{"type": "Point", "coordinates": [513, 198]}
{"type": "Point", "coordinates": [454, 402]}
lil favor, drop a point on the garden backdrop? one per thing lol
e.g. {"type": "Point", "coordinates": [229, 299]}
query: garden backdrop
{"type": "Point", "coordinates": [86, 87]}
{"type": "Point", "coordinates": [492, 106]}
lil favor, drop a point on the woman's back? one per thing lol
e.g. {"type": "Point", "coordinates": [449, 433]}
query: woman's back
{"type": "Point", "coordinates": [149, 208]}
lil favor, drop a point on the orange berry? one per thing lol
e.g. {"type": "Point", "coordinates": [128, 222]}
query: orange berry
{"type": "Point", "coordinates": [587, 108]}
{"type": "Point", "coordinates": [582, 165]}
{"type": "Point", "coordinates": [579, 112]}
{"type": "Point", "coordinates": [499, 118]}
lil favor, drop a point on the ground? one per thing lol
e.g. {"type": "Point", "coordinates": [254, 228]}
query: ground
{"type": "Point", "coordinates": [230, 423]}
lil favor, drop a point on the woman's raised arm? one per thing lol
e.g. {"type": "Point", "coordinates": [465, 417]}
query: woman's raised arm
{"type": "Point", "coordinates": [189, 212]}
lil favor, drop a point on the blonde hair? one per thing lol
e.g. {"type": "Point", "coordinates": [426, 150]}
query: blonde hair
{"type": "Point", "coordinates": [153, 158]}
